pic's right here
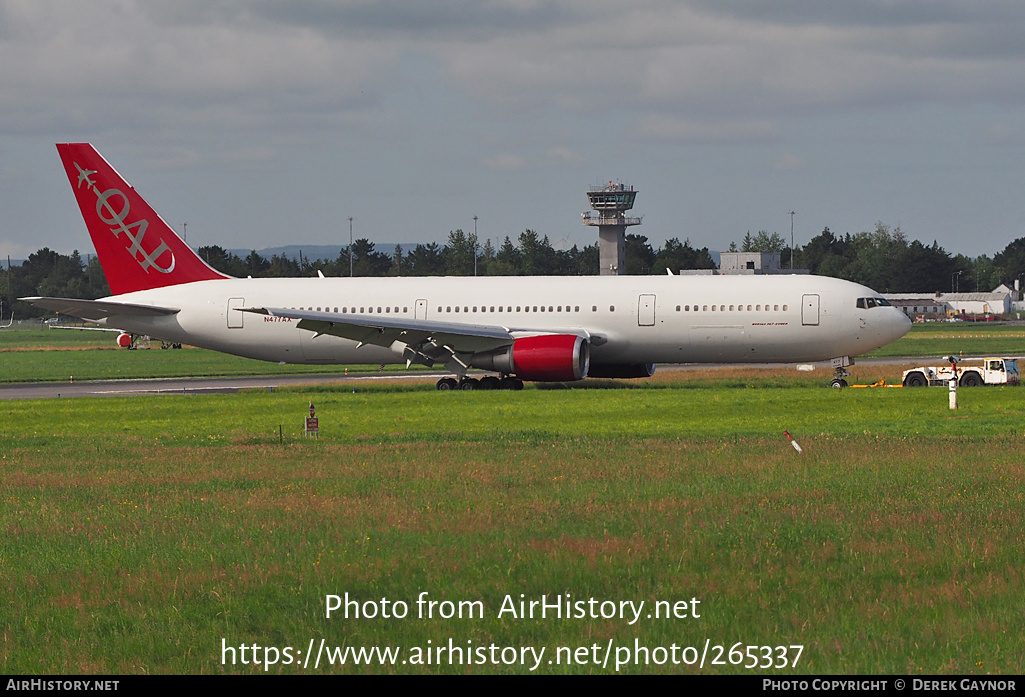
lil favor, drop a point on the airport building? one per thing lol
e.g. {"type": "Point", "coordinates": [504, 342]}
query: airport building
{"type": "Point", "coordinates": [745, 264]}
{"type": "Point", "coordinates": [941, 305]}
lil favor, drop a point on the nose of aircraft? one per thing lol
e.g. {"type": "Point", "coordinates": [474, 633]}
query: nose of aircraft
{"type": "Point", "coordinates": [900, 324]}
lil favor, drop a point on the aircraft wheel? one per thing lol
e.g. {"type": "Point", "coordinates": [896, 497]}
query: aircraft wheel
{"type": "Point", "coordinates": [490, 383]}
{"type": "Point", "coordinates": [446, 384]}
{"type": "Point", "coordinates": [915, 380]}
{"type": "Point", "coordinates": [512, 384]}
{"type": "Point", "coordinates": [971, 379]}
{"type": "Point", "coordinates": [468, 384]}
{"type": "Point", "coordinates": [838, 383]}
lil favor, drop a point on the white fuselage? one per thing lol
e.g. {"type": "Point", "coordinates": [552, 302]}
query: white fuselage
{"type": "Point", "coordinates": [629, 319]}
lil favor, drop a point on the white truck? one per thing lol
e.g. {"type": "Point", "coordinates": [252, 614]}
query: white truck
{"type": "Point", "coordinates": [992, 371]}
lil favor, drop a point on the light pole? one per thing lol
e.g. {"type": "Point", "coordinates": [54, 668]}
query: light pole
{"type": "Point", "coordinates": [956, 278]}
{"type": "Point", "coordinates": [474, 245]}
{"type": "Point", "coordinates": [791, 214]}
{"type": "Point", "coordinates": [350, 246]}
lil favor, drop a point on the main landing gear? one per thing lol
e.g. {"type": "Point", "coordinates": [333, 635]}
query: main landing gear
{"type": "Point", "coordinates": [486, 383]}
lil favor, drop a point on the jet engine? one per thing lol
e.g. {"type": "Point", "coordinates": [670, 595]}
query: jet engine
{"type": "Point", "coordinates": [546, 358]}
{"type": "Point", "coordinates": [124, 340]}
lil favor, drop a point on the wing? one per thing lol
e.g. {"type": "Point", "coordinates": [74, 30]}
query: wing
{"type": "Point", "coordinates": [99, 309]}
{"type": "Point", "coordinates": [417, 340]}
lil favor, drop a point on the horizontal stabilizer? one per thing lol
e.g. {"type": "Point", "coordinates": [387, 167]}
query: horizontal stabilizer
{"type": "Point", "coordinates": [99, 309]}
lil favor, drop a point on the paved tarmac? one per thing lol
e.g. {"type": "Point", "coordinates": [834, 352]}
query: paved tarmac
{"type": "Point", "coordinates": [121, 388]}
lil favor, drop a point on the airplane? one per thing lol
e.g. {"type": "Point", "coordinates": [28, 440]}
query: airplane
{"type": "Point", "coordinates": [555, 329]}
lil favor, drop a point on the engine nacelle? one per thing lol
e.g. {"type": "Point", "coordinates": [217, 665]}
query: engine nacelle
{"type": "Point", "coordinates": [124, 340]}
{"type": "Point", "coordinates": [622, 370]}
{"type": "Point", "coordinates": [547, 358]}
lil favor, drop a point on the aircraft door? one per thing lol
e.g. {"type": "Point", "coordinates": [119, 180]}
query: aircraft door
{"type": "Point", "coordinates": [421, 309]}
{"type": "Point", "coordinates": [810, 310]}
{"type": "Point", "coordinates": [646, 311]}
{"type": "Point", "coordinates": [235, 318]}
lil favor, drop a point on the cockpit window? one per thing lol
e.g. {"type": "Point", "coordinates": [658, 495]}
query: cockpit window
{"type": "Point", "coordinates": [866, 303]}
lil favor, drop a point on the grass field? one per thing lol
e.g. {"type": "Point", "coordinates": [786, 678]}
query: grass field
{"type": "Point", "coordinates": [142, 532]}
{"type": "Point", "coordinates": [967, 338]}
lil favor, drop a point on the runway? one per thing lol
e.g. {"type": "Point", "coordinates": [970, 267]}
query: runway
{"type": "Point", "coordinates": [122, 388]}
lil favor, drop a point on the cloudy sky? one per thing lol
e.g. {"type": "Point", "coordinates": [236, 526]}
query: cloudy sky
{"type": "Point", "coordinates": [269, 122]}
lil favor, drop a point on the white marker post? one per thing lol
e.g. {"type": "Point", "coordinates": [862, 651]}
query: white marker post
{"type": "Point", "coordinates": [953, 381]}
{"type": "Point", "coordinates": [793, 442]}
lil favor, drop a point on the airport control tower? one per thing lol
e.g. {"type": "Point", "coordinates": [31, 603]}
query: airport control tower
{"type": "Point", "coordinates": [611, 201]}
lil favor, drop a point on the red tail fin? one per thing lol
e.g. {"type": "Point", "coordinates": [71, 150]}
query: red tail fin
{"type": "Point", "coordinates": [137, 249]}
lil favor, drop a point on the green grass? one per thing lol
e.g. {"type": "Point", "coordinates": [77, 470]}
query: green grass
{"type": "Point", "coordinates": [966, 338]}
{"type": "Point", "coordinates": [140, 532]}
{"type": "Point", "coordinates": [59, 355]}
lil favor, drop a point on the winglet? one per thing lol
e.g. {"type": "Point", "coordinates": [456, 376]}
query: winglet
{"type": "Point", "coordinates": [137, 249]}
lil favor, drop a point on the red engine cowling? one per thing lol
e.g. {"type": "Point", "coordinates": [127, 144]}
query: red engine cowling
{"type": "Point", "coordinates": [548, 358]}
{"type": "Point", "coordinates": [124, 340]}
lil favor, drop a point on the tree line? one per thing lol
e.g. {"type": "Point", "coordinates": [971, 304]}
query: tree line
{"type": "Point", "coordinates": [464, 255]}
{"type": "Point", "coordinates": [883, 259]}
{"type": "Point", "coordinates": [888, 262]}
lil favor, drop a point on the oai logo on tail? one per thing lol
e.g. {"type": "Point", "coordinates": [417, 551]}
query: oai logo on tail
{"type": "Point", "coordinates": [115, 212]}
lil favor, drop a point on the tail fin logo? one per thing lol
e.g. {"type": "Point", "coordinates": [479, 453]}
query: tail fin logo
{"type": "Point", "coordinates": [112, 207]}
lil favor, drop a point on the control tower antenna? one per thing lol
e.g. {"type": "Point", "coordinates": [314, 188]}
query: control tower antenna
{"type": "Point", "coordinates": [611, 201]}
